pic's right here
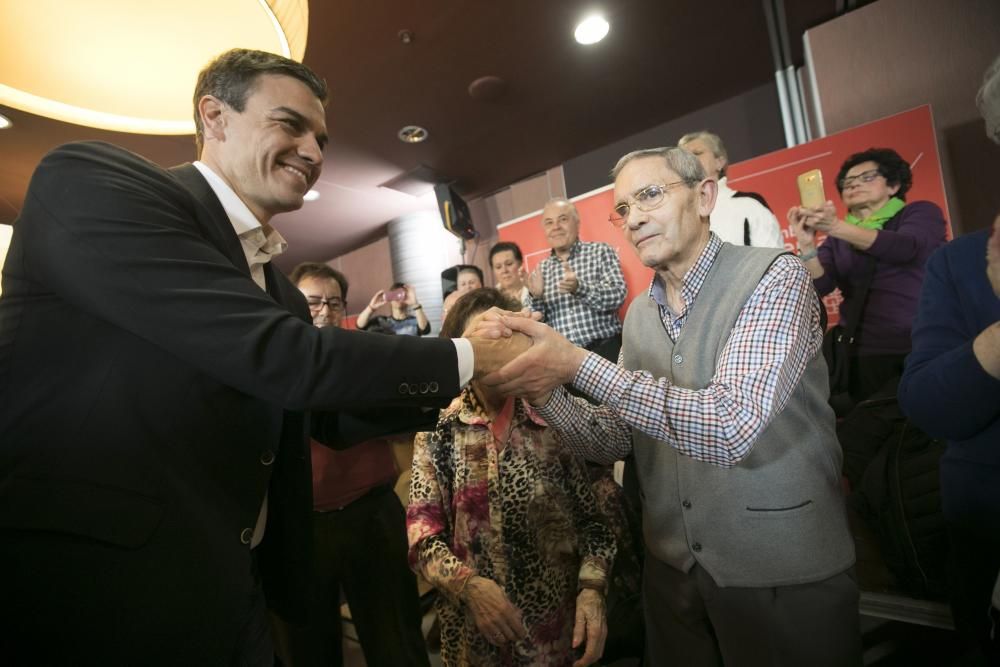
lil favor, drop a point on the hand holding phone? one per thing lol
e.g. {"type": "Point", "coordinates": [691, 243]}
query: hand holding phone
{"type": "Point", "coordinates": [811, 192]}
{"type": "Point", "coordinates": [398, 294]}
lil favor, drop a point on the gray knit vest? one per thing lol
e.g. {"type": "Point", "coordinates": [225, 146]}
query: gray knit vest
{"type": "Point", "coordinates": [776, 518]}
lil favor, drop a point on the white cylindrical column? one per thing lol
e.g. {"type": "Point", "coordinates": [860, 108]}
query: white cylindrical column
{"type": "Point", "coordinates": [421, 248]}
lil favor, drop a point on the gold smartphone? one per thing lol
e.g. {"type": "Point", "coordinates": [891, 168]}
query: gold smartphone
{"type": "Point", "coordinates": [811, 192]}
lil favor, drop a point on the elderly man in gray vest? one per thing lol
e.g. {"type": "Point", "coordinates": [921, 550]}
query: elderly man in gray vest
{"type": "Point", "coordinates": [721, 394]}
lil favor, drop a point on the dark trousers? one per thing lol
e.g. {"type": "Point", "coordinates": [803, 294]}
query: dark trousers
{"type": "Point", "coordinates": [693, 622]}
{"type": "Point", "coordinates": [871, 373]}
{"type": "Point", "coordinates": [973, 565]}
{"type": "Point", "coordinates": [254, 646]}
{"type": "Point", "coordinates": [362, 550]}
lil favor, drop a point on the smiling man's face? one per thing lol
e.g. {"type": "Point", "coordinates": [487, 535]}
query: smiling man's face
{"type": "Point", "coordinates": [271, 153]}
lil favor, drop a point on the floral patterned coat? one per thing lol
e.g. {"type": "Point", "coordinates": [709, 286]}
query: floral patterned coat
{"type": "Point", "coordinates": [506, 501]}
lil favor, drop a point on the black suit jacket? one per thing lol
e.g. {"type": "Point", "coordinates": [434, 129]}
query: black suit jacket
{"type": "Point", "coordinates": [150, 394]}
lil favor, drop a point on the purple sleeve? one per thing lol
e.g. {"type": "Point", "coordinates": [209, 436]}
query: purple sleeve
{"type": "Point", "coordinates": [827, 282]}
{"type": "Point", "coordinates": [921, 229]}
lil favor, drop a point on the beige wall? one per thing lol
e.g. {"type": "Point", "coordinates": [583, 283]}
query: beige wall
{"type": "Point", "coordinates": [894, 55]}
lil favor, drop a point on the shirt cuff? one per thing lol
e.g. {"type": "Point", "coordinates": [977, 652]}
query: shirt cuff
{"type": "Point", "coordinates": [466, 360]}
{"type": "Point", "coordinates": [601, 379]}
{"type": "Point", "coordinates": [558, 410]}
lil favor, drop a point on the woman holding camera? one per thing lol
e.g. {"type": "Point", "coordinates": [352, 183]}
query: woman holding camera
{"type": "Point", "coordinates": [402, 299]}
{"type": "Point", "coordinates": [882, 242]}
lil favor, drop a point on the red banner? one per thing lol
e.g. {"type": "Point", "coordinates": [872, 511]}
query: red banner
{"type": "Point", "coordinates": [910, 133]}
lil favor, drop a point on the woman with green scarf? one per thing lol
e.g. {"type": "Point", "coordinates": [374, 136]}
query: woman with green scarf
{"type": "Point", "coordinates": [881, 233]}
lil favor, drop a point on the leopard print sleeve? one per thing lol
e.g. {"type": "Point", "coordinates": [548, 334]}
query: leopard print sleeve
{"type": "Point", "coordinates": [428, 522]}
{"type": "Point", "coordinates": [597, 541]}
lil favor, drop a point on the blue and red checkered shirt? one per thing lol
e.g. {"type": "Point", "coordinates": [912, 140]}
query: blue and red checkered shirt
{"type": "Point", "coordinates": [776, 334]}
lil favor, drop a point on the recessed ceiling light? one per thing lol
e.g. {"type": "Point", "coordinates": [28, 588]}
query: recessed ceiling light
{"type": "Point", "coordinates": [413, 134]}
{"type": "Point", "coordinates": [4, 122]}
{"type": "Point", "coordinates": [591, 30]}
{"type": "Point", "coordinates": [312, 195]}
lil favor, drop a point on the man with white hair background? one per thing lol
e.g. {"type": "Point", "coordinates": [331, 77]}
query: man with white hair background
{"type": "Point", "coordinates": [741, 218]}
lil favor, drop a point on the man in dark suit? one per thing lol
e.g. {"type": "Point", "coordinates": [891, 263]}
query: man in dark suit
{"type": "Point", "coordinates": [159, 379]}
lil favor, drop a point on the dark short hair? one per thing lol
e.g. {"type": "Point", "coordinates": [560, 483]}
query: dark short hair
{"type": "Point", "coordinates": [321, 271]}
{"type": "Point", "coordinates": [472, 304]}
{"type": "Point", "coordinates": [504, 246]}
{"type": "Point", "coordinates": [891, 165]}
{"type": "Point", "coordinates": [397, 285]}
{"type": "Point", "coordinates": [232, 76]}
{"type": "Point", "coordinates": [469, 268]}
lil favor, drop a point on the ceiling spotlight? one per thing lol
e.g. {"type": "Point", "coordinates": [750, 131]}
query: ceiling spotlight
{"type": "Point", "coordinates": [591, 30]}
{"type": "Point", "coordinates": [413, 134]}
{"type": "Point", "coordinates": [312, 195]}
{"type": "Point", "coordinates": [4, 122]}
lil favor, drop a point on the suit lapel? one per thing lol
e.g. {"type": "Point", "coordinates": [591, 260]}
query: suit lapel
{"type": "Point", "coordinates": [223, 236]}
{"type": "Point", "coordinates": [212, 215]}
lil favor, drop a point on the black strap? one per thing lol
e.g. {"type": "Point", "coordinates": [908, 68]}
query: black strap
{"type": "Point", "coordinates": [860, 298]}
{"type": "Point", "coordinates": [746, 231]}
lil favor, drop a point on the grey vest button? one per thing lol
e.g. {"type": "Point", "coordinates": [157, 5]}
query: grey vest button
{"type": "Point", "coordinates": [423, 387]}
{"type": "Point", "coordinates": [434, 387]}
{"type": "Point", "coordinates": [696, 546]}
{"type": "Point", "coordinates": [404, 388]}
{"type": "Point", "coordinates": [686, 504]}
{"type": "Point", "coordinates": [246, 535]}
{"type": "Point", "coordinates": [267, 457]}
{"type": "Point", "coordinates": [678, 359]}
{"type": "Point", "coordinates": [413, 389]}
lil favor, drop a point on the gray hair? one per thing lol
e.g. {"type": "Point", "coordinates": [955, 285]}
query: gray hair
{"type": "Point", "coordinates": [566, 202]}
{"type": "Point", "coordinates": [988, 100]}
{"type": "Point", "coordinates": [681, 162]}
{"type": "Point", "coordinates": [714, 143]}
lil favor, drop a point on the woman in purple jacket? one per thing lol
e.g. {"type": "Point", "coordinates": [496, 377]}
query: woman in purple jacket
{"type": "Point", "coordinates": [883, 230]}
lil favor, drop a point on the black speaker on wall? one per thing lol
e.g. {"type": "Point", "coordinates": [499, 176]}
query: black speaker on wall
{"type": "Point", "coordinates": [454, 212]}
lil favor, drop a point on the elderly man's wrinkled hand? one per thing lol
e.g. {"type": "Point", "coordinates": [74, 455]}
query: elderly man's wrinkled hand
{"type": "Point", "coordinates": [494, 344]}
{"type": "Point", "coordinates": [551, 361]}
{"type": "Point", "coordinates": [491, 323]}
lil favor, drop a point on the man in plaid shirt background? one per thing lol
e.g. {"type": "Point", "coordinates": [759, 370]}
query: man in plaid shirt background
{"type": "Point", "coordinates": [580, 286]}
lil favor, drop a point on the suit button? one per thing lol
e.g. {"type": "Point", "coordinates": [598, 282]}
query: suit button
{"type": "Point", "coordinates": [424, 387]}
{"type": "Point", "coordinates": [267, 457]}
{"type": "Point", "coordinates": [434, 387]}
{"type": "Point", "coordinates": [686, 504]}
{"type": "Point", "coordinates": [404, 388]}
{"type": "Point", "coordinates": [413, 389]}
{"type": "Point", "coordinates": [246, 535]}
{"type": "Point", "coordinates": [696, 546]}
{"type": "Point", "coordinates": [678, 359]}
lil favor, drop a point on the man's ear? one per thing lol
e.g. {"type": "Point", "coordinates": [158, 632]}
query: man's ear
{"type": "Point", "coordinates": [707, 192]}
{"type": "Point", "coordinates": [213, 117]}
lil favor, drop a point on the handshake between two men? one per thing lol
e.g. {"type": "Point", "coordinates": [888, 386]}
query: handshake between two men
{"type": "Point", "coordinates": [517, 355]}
